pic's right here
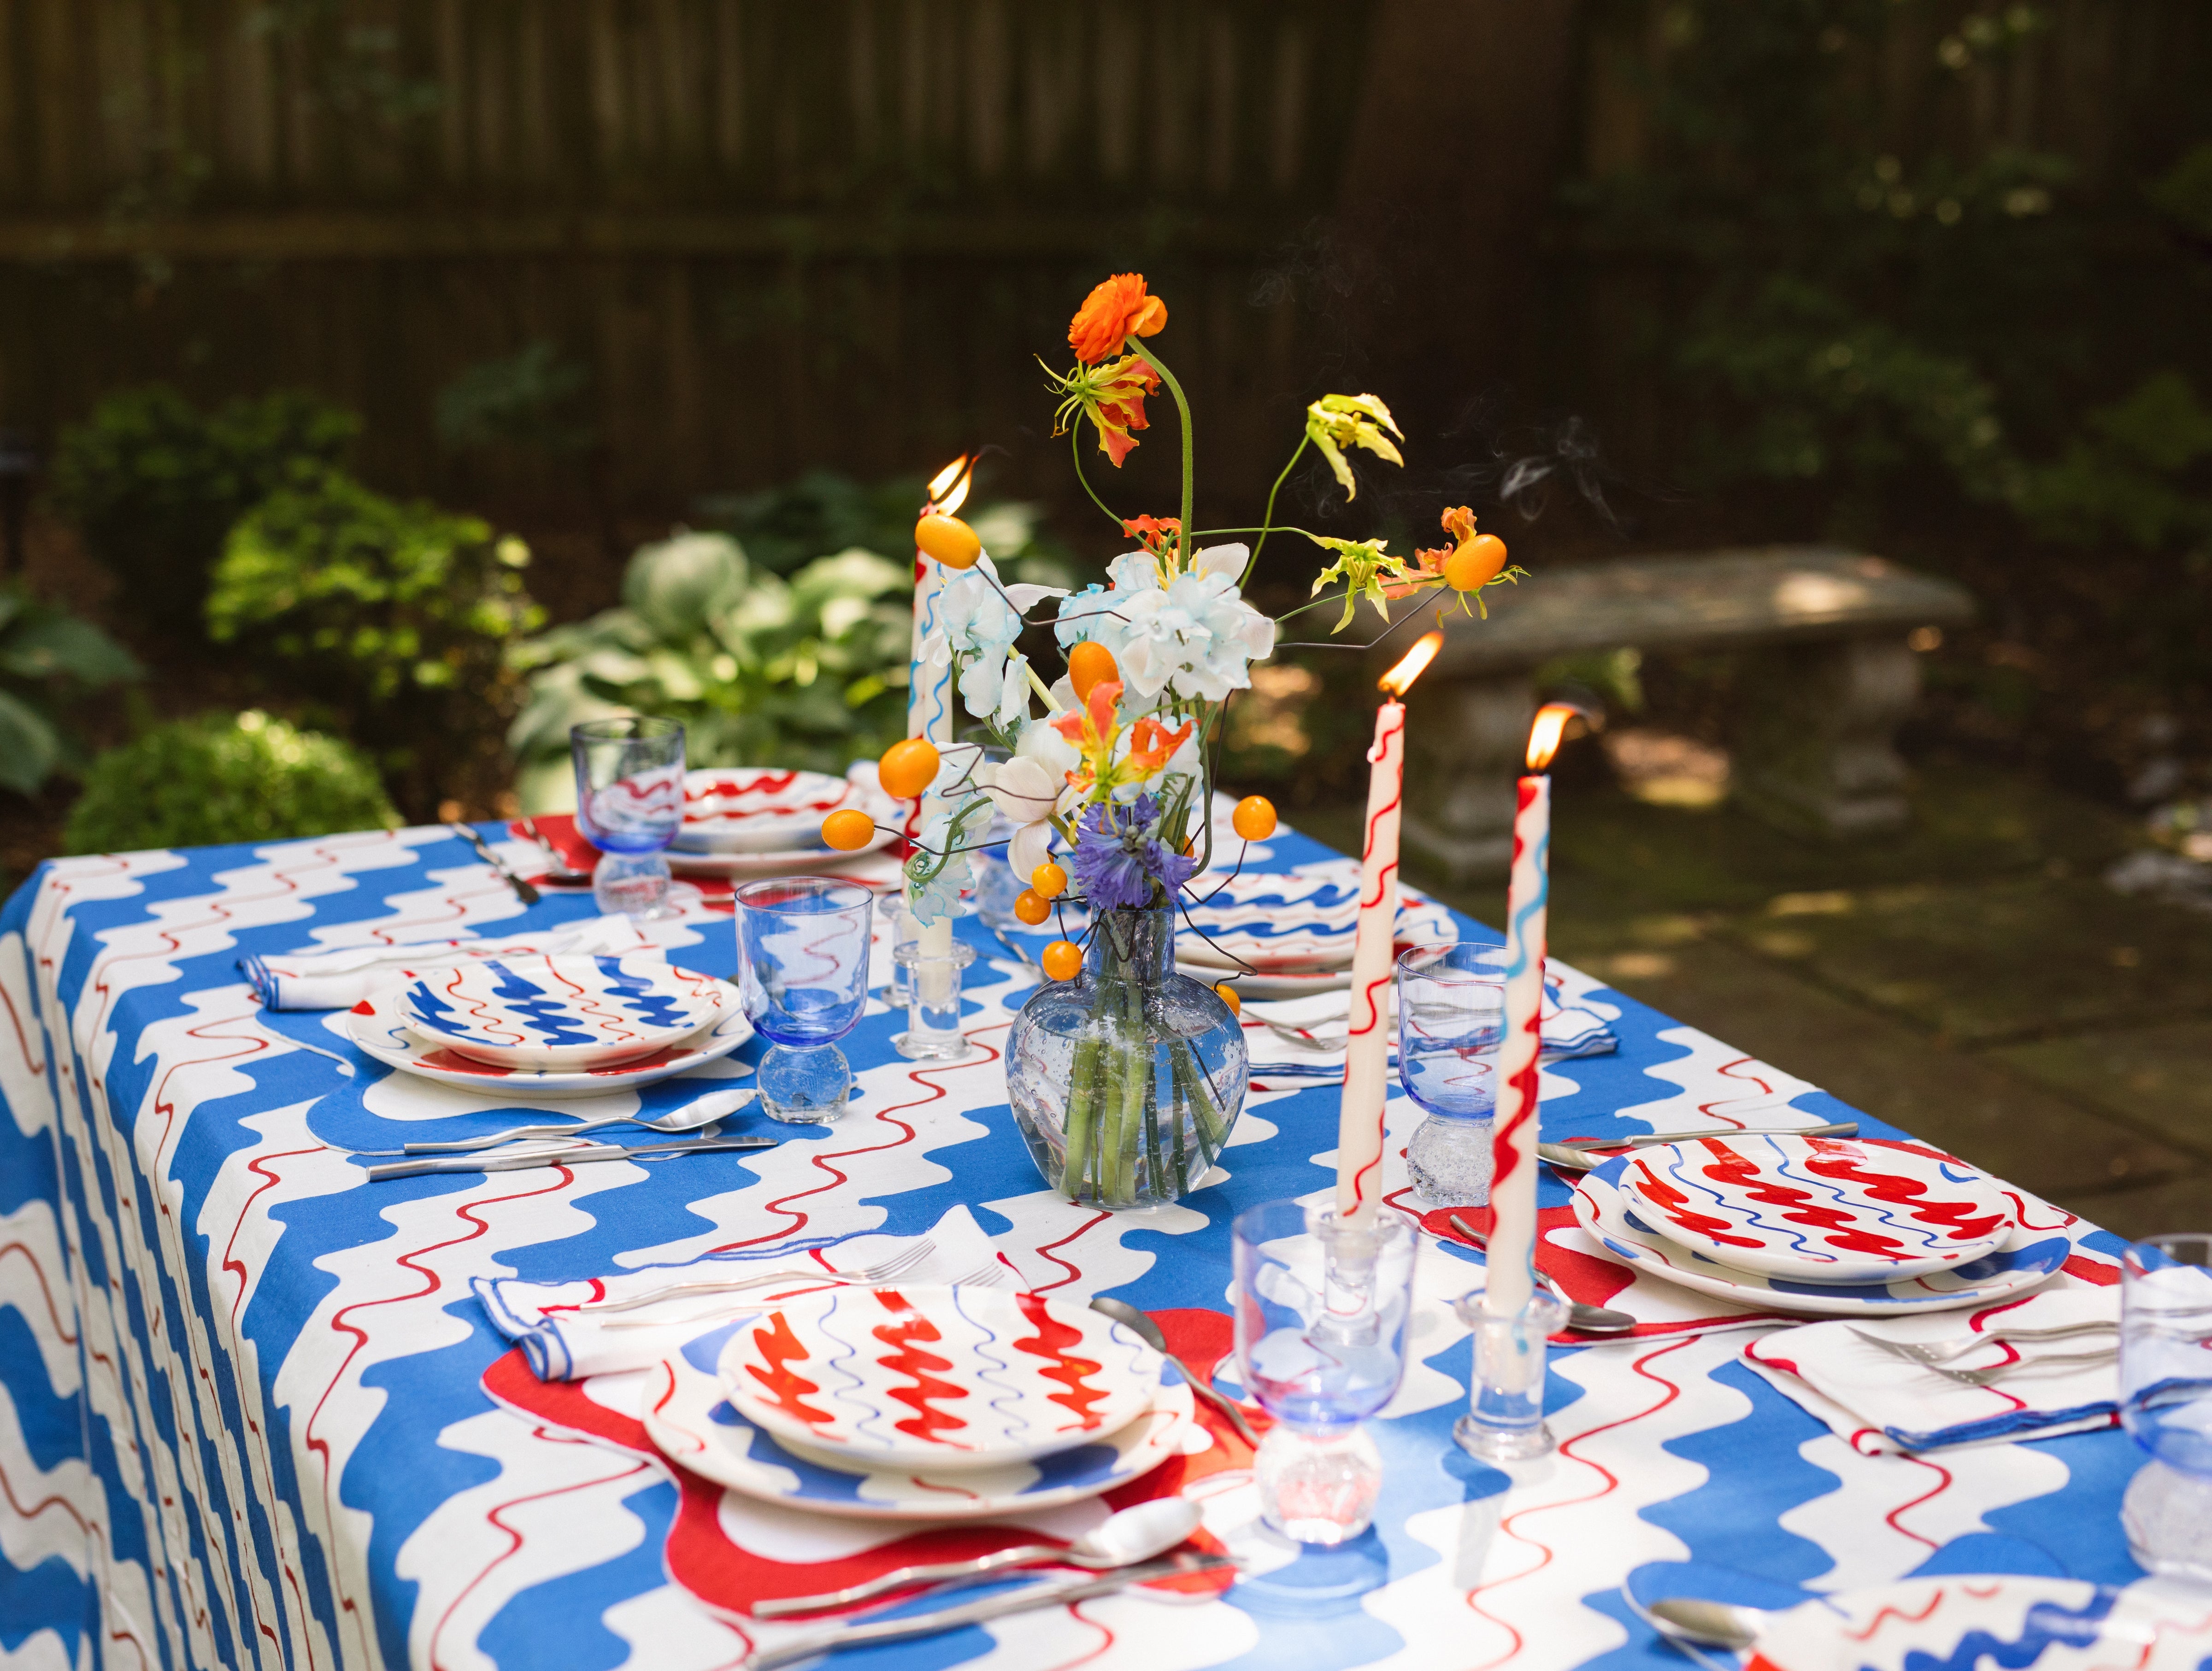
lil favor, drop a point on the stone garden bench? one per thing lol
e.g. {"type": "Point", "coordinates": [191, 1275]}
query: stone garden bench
{"type": "Point", "coordinates": [1825, 676]}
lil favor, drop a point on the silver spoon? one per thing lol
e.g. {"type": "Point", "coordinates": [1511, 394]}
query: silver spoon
{"type": "Point", "coordinates": [557, 869]}
{"type": "Point", "coordinates": [1582, 1319]}
{"type": "Point", "coordinates": [700, 1111]}
{"type": "Point", "coordinates": [1149, 1331]}
{"type": "Point", "coordinates": [1136, 1534]}
{"type": "Point", "coordinates": [1708, 1624]}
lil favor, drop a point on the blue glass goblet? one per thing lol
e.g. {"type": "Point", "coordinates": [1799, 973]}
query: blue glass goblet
{"type": "Point", "coordinates": [1451, 1020]}
{"type": "Point", "coordinates": [1321, 1307]}
{"type": "Point", "coordinates": [803, 970]}
{"type": "Point", "coordinates": [629, 805]}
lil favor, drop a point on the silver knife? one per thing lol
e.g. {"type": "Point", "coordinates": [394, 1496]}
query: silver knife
{"type": "Point", "coordinates": [1569, 1159]}
{"type": "Point", "coordinates": [1053, 1594]}
{"type": "Point", "coordinates": [523, 891]}
{"type": "Point", "coordinates": [572, 1156]}
{"type": "Point", "coordinates": [1642, 1140]}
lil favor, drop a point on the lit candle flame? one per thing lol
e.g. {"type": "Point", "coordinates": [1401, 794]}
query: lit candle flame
{"type": "Point", "coordinates": [1550, 729]}
{"type": "Point", "coordinates": [948, 488]}
{"type": "Point", "coordinates": [1400, 679]}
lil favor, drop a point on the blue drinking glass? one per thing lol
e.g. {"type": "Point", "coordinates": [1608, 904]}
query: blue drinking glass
{"type": "Point", "coordinates": [1451, 1021]}
{"type": "Point", "coordinates": [2166, 1403]}
{"type": "Point", "coordinates": [803, 970]}
{"type": "Point", "coordinates": [1321, 1309]}
{"type": "Point", "coordinates": [629, 805]}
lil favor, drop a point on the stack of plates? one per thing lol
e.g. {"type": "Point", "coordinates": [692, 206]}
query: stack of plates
{"type": "Point", "coordinates": [755, 819]}
{"type": "Point", "coordinates": [562, 1025]}
{"type": "Point", "coordinates": [1828, 1226]}
{"type": "Point", "coordinates": [1295, 932]}
{"type": "Point", "coordinates": [927, 1402]}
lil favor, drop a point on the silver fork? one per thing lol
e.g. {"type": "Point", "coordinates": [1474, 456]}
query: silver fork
{"type": "Point", "coordinates": [984, 1276]}
{"type": "Point", "coordinates": [905, 1260]}
{"type": "Point", "coordinates": [1948, 1351]}
{"type": "Point", "coordinates": [2000, 1371]}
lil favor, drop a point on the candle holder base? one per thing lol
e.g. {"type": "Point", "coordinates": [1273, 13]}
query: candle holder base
{"type": "Point", "coordinates": [920, 1047]}
{"type": "Point", "coordinates": [1504, 1422]}
{"type": "Point", "coordinates": [933, 1011]}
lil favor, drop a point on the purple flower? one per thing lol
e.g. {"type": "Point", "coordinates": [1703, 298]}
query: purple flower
{"type": "Point", "coordinates": [1121, 861]}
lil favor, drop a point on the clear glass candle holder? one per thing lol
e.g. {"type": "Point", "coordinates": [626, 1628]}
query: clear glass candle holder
{"type": "Point", "coordinates": [1321, 1307]}
{"type": "Point", "coordinates": [1504, 1419]}
{"type": "Point", "coordinates": [629, 805]}
{"type": "Point", "coordinates": [803, 970]}
{"type": "Point", "coordinates": [932, 1007]}
{"type": "Point", "coordinates": [2166, 1403]}
{"type": "Point", "coordinates": [1451, 1020]}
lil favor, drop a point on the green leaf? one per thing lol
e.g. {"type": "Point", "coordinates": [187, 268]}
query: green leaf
{"type": "Point", "coordinates": [29, 747]}
{"type": "Point", "coordinates": [677, 587]}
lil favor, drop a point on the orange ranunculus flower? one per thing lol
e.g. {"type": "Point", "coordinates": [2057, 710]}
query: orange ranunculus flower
{"type": "Point", "coordinates": [1112, 313]}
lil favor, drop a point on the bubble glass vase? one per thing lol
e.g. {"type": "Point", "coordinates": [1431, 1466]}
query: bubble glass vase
{"type": "Point", "coordinates": [1126, 1080]}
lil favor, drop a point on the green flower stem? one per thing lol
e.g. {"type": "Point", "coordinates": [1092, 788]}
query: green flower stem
{"type": "Point", "coordinates": [1268, 516]}
{"type": "Point", "coordinates": [1134, 1062]}
{"type": "Point", "coordinates": [1081, 1112]}
{"type": "Point", "coordinates": [1152, 1112]}
{"type": "Point", "coordinates": [1075, 446]}
{"type": "Point", "coordinates": [1189, 467]}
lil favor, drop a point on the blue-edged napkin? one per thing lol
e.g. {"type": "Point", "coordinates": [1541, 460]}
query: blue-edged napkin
{"type": "Point", "coordinates": [1877, 1403]}
{"type": "Point", "coordinates": [341, 979]}
{"type": "Point", "coordinates": [565, 1344]}
{"type": "Point", "coordinates": [1569, 1031]}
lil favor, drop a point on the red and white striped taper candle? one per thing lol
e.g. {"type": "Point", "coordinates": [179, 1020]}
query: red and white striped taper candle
{"type": "Point", "coordinates": [1512, 1252]}
{"type": "Point", "coordinates": [1367, 1055]}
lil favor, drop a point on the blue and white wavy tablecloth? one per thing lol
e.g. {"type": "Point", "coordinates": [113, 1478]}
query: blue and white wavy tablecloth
{"type": "Point", "coordinates": [241, 1417]}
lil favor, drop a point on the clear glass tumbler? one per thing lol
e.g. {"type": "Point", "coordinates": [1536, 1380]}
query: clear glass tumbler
{"type": "Point", "coordinates": [629, 805]}
{"type": "Point", "coordinates": [1322, 1308]}
{"type": "Point", "coordinates": [802, 970]}
{"type": "Point", "coordinates": [1451, 1019]}
{"type": "Point", "coordinates": [2165, 1402]}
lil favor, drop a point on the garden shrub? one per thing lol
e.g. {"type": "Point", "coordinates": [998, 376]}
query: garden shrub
{"type": "Point", "coordinates": [48, 658]}
{"type": "Point", "coordinates": [397, 616]}
{"type": "Point", "coordinates": [809, 670]}
{"type": "Point", "coordinates": [823, 511]}
{"type": "Point", "coordinates": [222, 778]}
{"type": "Point", "coordinates": [154, 484]}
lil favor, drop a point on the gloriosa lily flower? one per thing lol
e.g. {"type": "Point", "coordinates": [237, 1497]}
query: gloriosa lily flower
{"type": "Point", "coordinates": [1338, 421]}
{"type": "Point", "coordinates": [1095, 730]}
{"type": "Point", "coordinates": [1115, 310]}
{"type": "Point", "coordinates": [1111, 396]}
{"type": "Point", "coordinates": [1159, 535]}
{"type": "Point", "coordinates": [1366, 569]}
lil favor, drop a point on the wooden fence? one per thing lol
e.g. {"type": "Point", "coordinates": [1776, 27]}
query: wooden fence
{"type": "Point", "coordinates": [782, 232]}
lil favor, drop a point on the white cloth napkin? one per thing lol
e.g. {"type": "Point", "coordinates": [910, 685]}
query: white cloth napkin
{"type": "Point", "coordinates": [1568, 1030]}
{"type": "Point", "coordinates": [563, 1344]}
{"type": "Point", "coordinates": [1878, 1403]}
{"type": "Point", "coordinates": [339, 980]}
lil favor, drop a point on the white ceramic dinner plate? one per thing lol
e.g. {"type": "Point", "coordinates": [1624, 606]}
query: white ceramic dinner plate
{"type": "Point", "coordinates": [937, 1378]}
{"type": "Point", "coordinates": [1299, 923]}
{"type": "Point", "coordinates": [1817, 1209]}
{"type": "Point", "coordinates": [1960, 1622]}
{"type": "Point", "coordinates": [1603, 1209]}
{"type": "Point", "coordinates": [757, 809]}
{"type": "Point", "coordinates": [378, 1026]}
{"type": "Point", "coordinates": [693, 1424]}
{"type": "Point", "coordinates": [564, 1013]}
{"type": "Point", "coordinates": [814, 856]}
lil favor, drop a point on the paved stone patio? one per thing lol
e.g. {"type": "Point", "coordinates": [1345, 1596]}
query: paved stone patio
{"type": "Point", "coordinates": [1973, 981]}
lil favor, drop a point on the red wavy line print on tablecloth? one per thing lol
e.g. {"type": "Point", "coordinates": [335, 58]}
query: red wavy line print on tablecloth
{"type": "Point", "coordinates": [1051, 1342]}
{"type": "Point", "coordinates": [45, 1289]}
{"type": "Point", "coordinates": [907, 1334]}
{"type": "Point", "coordinates": [37, 1066]}
{"type": "Point", "coordinates": [1942, 1484]}
{"type": "Point", "coordinates": [918, 1075]}
{"type": "Point", "coordinates": [515, 1540]}
{"type": "Point", "coordinates": [562, 1176]}
{"type": "Point", "coordinates": [1508, 1527]}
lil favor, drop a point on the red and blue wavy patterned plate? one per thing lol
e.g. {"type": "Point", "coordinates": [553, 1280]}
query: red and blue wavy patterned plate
{"type": "Point", "coordinates": [1962, 1623]}
{"type": "Point", "coordinates": [564, 1013]}
{"type": "Point", "coordinates": [2027, 1256]}
{"type": "Point", "coordinates": [1817, 1209]}
{"type": "Point", "coordinates": [937, 1378]}
{"type": "Point", "coordinates": [690, 1420]}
